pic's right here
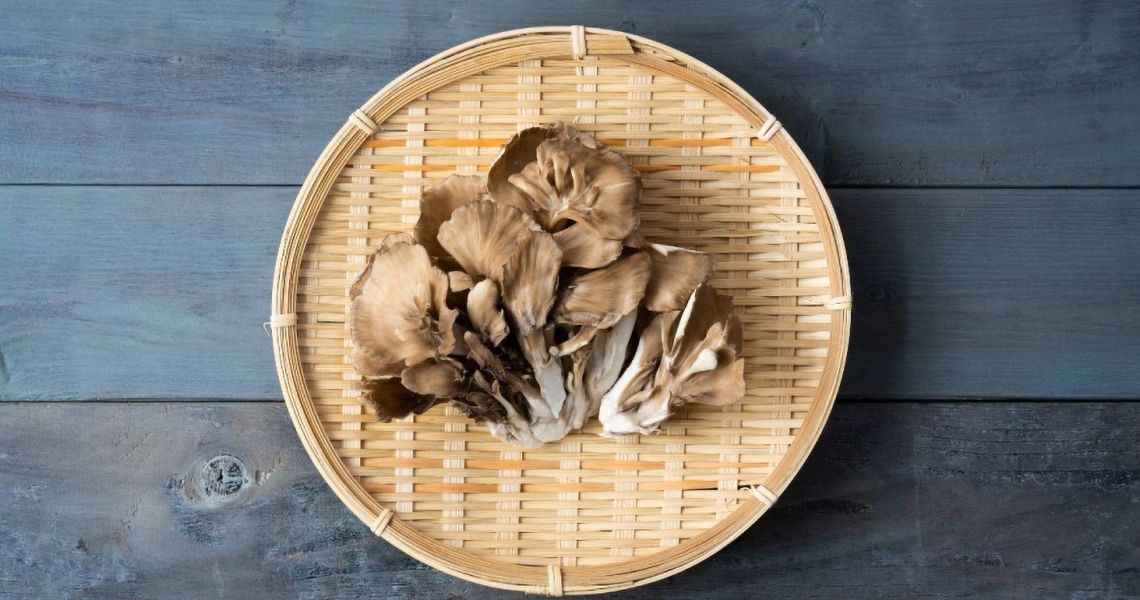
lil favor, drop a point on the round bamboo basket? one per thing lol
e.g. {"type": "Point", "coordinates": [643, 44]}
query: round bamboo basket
{"type": "Point", "coordinates": [587, 514]}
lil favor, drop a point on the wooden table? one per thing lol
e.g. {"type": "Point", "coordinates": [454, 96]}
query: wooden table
{"type": "Point", "coordinates": [984, 162]}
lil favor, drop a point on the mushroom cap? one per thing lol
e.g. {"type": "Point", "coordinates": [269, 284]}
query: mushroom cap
{"type": "Point", "coordinates": [560, 174]}
{"type": "Point", "coordinates": [484, 312]}
{"type": "Point", "coordinates": [519, 151]}
{"type": "Point", "coordinates": [677, 272]}
{"type": "Point", "coordinates": [599, 298]}
{"type": "Point", "coordinates": [389, 399]}
{"type": "Point", "coordinates": [438, 202]}
{"type": "Point", "coordinates": [397, 313]}
{"type": "Point", "coordinates": [439, 377]}
{"type": "Point", "coordinates": [583, 247]}
{"type": "Point", "coordinates": [705, 309]}
{"type": "Point", "coordinates": [530, 280]}
{"type": "Point", "coordinates": [719, 387]}
{"type": "Point", "coordinates": [482, 236]}
{"type": "Point", "coordinates": [569, 181]}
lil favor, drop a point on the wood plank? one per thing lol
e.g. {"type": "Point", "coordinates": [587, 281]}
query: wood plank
{"type": "Point", "coordinates": [137, 292]}
{"type": "Point", "coordinates": [899, 500]}
{"type": "Point", "coordinates": [1039, 93]}
{"type": "Point", "coordinates": [161, 292]}
{"type": "Point", "coordinates": [993, 293]}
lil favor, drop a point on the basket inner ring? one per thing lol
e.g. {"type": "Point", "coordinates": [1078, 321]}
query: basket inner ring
{"type": "Point", "coordinates": [605, 513]}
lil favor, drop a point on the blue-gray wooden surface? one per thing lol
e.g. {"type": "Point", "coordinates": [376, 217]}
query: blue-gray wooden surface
{"type": "Point", "coordinates": [984, 162]}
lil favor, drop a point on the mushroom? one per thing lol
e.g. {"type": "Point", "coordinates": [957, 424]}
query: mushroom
{"type": "Point", "coordinates": [513, 422]}
{"type": "Point", "coordinates": [484, 312]}
{"type": "Point", "coordinates": [493, 365]}
{"type": "Point", "coordinates": [676, 273]}
{"type": "Point", "coordinates": [598, 299]}
{"type": "Point", "coordinates": [482, 236]}
{"type": "Point", "coordinates": [532, 303]}
{"type": "Point", "coordinates": [607, 357]}
{"type": "Point", "coordinates": [613, 411]}
{"type": "Point", "coordinates": [520, 151]}
{"type": "Point", "coordinates": [437, 204]}
{"type": "Point", "coordinates": [439, 377]}
{"type": "Point", "coordinates": [568, 181]}
{"type": "Point", "coordinates": [458, 281]}
{"type": "Point", "coordinates": [530, 281]}
{"type": "Point", "coordinates": [699, 362]}
{"type": "Point", "coordinates": [398, 314]}
{"type": "Point", "coordinates": [571, 181]}
{"type": "Point", "coordinates": [389, 399]}
{"type": "Point", "coordinates": [578, 406]}
{"type": "Point", "coordinates": [583, 247]}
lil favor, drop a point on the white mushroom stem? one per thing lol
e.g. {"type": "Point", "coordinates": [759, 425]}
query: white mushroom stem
{"type": "Point", "coordinates": [634, 379]}
{"type": "Point", "coordinates": [651, 408]}
{"type": "Point", "coordinates": [577, 408]}
{"type": "Point", "coordinates": [548, 373]}
{"type": "Point", "coordinates": [606, 359]}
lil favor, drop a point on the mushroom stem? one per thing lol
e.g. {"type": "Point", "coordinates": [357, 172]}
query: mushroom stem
{"type": "Point", "coordinates": [547, 372]}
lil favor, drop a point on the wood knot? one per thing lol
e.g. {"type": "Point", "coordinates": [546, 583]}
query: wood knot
{"type": "Point", "coordinates": [221, 479]}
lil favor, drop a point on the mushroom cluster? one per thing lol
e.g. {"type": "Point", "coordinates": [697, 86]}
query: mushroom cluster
{"type": "Point", "coordinates": [531, 303]}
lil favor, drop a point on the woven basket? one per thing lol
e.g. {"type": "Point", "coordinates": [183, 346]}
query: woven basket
{"type": "Point", "coordinates": [587, 514]}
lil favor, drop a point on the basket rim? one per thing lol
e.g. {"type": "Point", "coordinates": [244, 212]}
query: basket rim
{"type": "Point", "coordinates": [544, 42]}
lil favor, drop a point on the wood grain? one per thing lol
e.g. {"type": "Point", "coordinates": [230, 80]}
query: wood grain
{"type": "Point", "coordinates": [161, 292]}
{"type": "Point", "coordinates": [993, 293]}
{"type": "Point", "coordinates": [1039, 93]}
{"type": "Point", "coordinates": [137, 292]}
{"type": "Point", "coordinates": [899, 500]}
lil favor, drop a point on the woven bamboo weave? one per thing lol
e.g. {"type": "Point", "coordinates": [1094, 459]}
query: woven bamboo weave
{"type": "Point", "coordinates": [587, 514]}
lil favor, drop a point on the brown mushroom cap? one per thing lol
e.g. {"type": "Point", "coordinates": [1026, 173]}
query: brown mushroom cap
{"type": "Point", "coordinates": [583, 247]}
{"type": "Point", "coordinates": [677, 272]}
{"type": "Point", "coordinates": [441, 378]}
{"type": "Point", "coordinates": [705, 309]}
{"type": "Point", "coordinates": [398, 314]}
{"type": "Point", "coordinates": [530, 280]}
{"type": "Point", "coordinates": [560, 174]}
{"type": "Point", "coordinates": [389, 399]}
{"type": "Point", "coordinates": [438, 202]}
{"type": "Point", "coordinates": [599, 298]}
{"type": "Point", "coordinates": [482, 236]}
{"type": "Point", "coordinates": [719, 387]}
{"type": "Point", "coordinates": [367, 366]}
{"type": "Point", "coordinates": [518, 153]}
{"type": "Point", "coordinates": [569, 181]}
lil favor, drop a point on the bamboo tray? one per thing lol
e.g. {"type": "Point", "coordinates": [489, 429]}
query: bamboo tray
{"type": "Point", "coordinates": [587, 514]}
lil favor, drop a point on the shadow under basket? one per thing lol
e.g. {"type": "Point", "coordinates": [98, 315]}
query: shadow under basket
{"type": "Point", "coordinates": [586, 514]}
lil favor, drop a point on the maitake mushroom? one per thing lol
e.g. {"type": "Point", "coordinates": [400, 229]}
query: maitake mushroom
{"type": "Point", "coordinates": [531, 303]}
